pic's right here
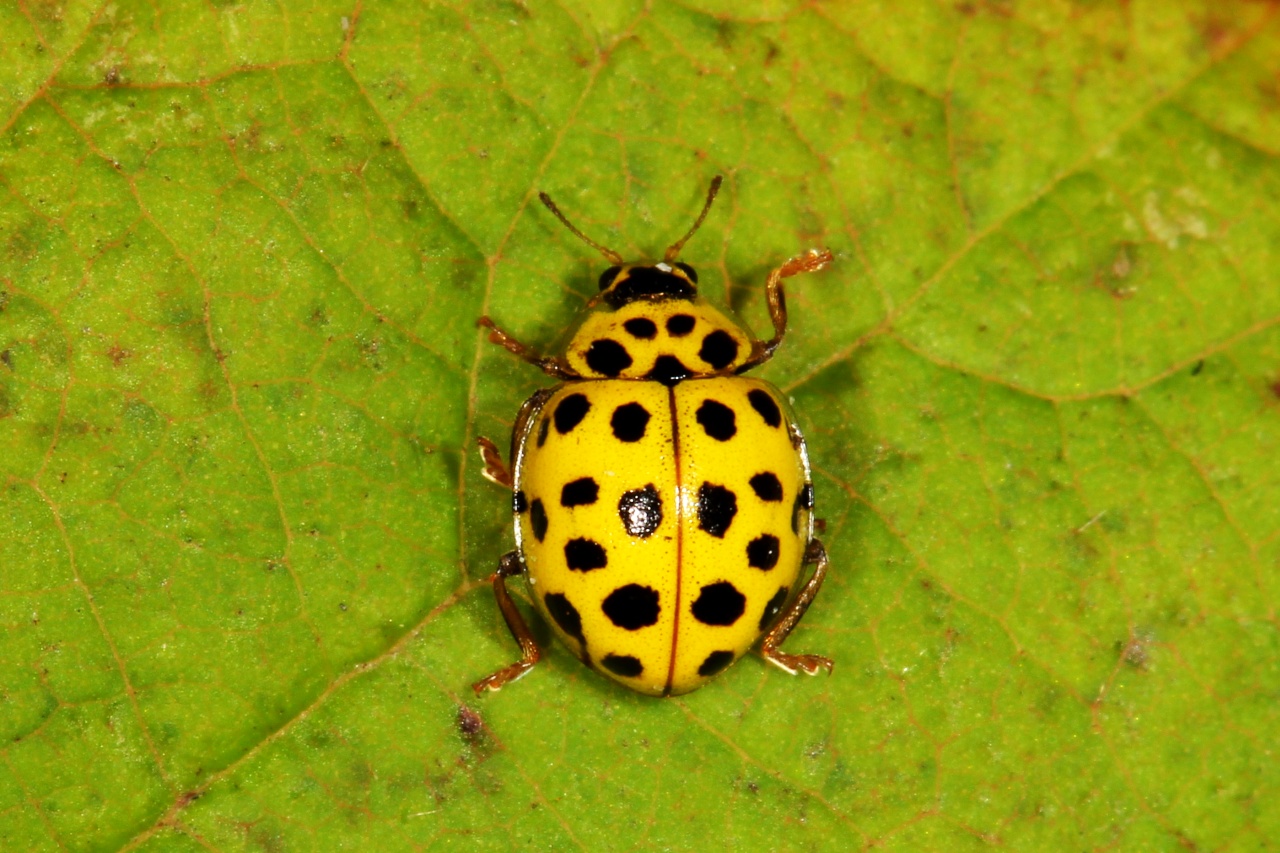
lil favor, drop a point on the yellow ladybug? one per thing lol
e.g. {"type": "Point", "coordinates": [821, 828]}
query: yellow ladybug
{"type": "Point", "coordinates": [663, 502]}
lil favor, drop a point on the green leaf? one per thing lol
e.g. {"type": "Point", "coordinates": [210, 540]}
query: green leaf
{"type": "Point", "coordinates": [244, 537]}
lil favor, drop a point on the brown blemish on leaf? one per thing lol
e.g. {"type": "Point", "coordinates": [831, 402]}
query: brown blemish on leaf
{"type": "Point", "coordinates": [118, 354]}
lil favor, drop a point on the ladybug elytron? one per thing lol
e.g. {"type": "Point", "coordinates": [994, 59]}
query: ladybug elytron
{"type": "Point", "coordinates": [663, 502]}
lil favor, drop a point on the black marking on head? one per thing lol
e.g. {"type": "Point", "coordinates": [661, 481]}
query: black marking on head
{"type": "Point", "coordinates": [715, 664]}
{"type": "Point", "coordinates": [542, 431]}
{"type": "Point", "coordinates": [719, 349]}
{"type": "Point", "coordinates": [762, 552]}
{"type": "Point", "coordinates": [608, 357]}
{"type": "Point", "coordinates": [607, 277]}
{"type": "Point", "coordinates": [669, 370]}
{"type": "Point", "coordinates": [766, 486]}
{"type": "Point", "coordinates": [689, 271]}
{"type": "Point", "coordinates": [624, 665]}
{"type": "Point", "coordinates": [762, 401]}
{"type": "Point", "coordinates": [629, 422]}
{"type": "Point", "coordinates": [716, 508]}
{"type": "Point", "coordinates": [679, 325]}
{"type": "Point", "coordinates": [585, 555]}
{"type": "Point", "coordinates": [519, 503]}
{"type": "Point", "coordinates": [719, 603]}
{"type": "Point", "coordinates": [632, 607]}
{"type": "Point", "coordinates": [538, 519]}
{"type": "Point", "coordinates": [565, 614]}
{"type": "Point", "coordinates": [804, 500]}
{"type": "Point", "coordinates": [641, 511]}
{"type": "Point", "coordinates": [642, 282]}
{"type": "Point", "coordinates": [718, 420]}
{"type": "Point", "coordinates": [774, 607]}
{"type": "Point", "coordinates": [570, 411]}
{"type": "Point", "coordinates": [641, 327]}
{"type": "Point", "coordinates": [580, 492]}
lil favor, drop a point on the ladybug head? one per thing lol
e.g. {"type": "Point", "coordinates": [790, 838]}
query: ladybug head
{"type": "Point", "coordinates": [620, 285]}
{"type": "Point", "coordinates": [623, 283]}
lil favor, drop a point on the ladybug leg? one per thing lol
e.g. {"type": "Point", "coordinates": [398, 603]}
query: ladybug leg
{"type": "Point", "coordinates": [508, 566]}
{"type": "Point", "coordinates": [808, 664]}
{"type": "Point", "coordinates": [494, 470]}
{"type": "Point", "coordinates": [548, 364]}
{"type": "Point", "coordinates": [811, 261]}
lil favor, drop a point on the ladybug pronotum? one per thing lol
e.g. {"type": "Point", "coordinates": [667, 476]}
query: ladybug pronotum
{"type": "Point", "coordinates": [663, 502]}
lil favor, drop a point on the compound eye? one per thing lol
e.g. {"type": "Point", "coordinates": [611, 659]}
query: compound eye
{"type": "Point", "coordinates": [689, 271]}
{"type": "Point", "coordinates": [607, 277]}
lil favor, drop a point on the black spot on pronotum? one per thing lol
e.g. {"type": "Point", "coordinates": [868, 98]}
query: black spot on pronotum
{"type": "Point", "coordinates": [570, 412]}
{"type": "Point", "coordinates": [773, 608]}
{"type": "Point", "coordinates": [580, 492]}
{"type": "Point", "coordinates": [585, 555]}
{"type": "Point", "coordinates": [629, 422]}
{"type": "Point", "coordinates": [679, 325]}
{"type": "Point", "coordinates": [688, 270]}
{"type": "Point", "coordinates": [608, 357]}
{"type": "Point", "coordinates": [719, 349]}
{"type": "Point", "coordinates": [716, 508]}
{"type": "Point", "coordinates": [641, 327]}
{"type": "Point", "coordinates": [668, 370]}
{"type": "Point", "coordinates": [762, 552]}
{"type": "Point", "coordinates": [720, 604]}
{"type": "Point", "coordinates": [764, 403]}
{"type": "Point", "coordinates": [519, 503]}
{"type": "Point", "coordinates": [538, 519]}
{"type": "Point", "coordinates": [766, 486]}
{"type": "Point", "coordinates": [632, 607]}
{"type": "Point", "coordinates": [624, 665]}
{"type": "Point", "coordinates": [715, 663]}
{"type": "Point", "coordinates": [717, 419]}
{"type": "Point", "coordinates": [804, 501]}
{"type": "Point", "coordinates": [641, 511]}
{"type": "Point", "coordinates": [565, 615]}
{"type": "Point", "coordinates": [542, 431]}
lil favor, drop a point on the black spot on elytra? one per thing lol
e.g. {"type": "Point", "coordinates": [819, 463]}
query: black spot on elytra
{"type": "Point", "coordinates": [519, 503]}
{"type": "Point", "coordinates": [679, 325]}
{"type": "Point", "coordinates": [608, 357]}
{"type": "Point", "coordinates": [762, 552]}
{"type": "Point", "coordinates": [668, 370]}
{"type": "Point", "coordinates": [719, 349]}
{"type": "Point", "coordinates": [585, 555]}
{"type": "Point", "coordinates": [570, 412]}
{"type": "Point", "coordinates": [542, 431]}
{"type": "Point", "coordinates": [624, 665]}
{"type": "Point", "coordinates": [565, 614]}
{"type": "Point", "coordinates": [716, 508]}
{"type": "Point", "coordinates": [763, 402]}
{"type": "Point", "coordinates": [767, 487]}
{"type": "Point", "coordinates": [641, 327]}
{"type": "Point", "coordinates": [773, 608]}
{"type": "Point", "coordinates": [538, 519]}
{"type": "Point", "coordinates": [715, 664]}
{"type": "Point", "coordinates": [632, 607]}
{"type": "Point", "coordinates": [719, 603]}
{"type": "Point", "coordinates": [718, 420]}
{"type": "Point", "coordinates": [580, 492]}
{"type": "Point", "coordinates": [629, 422]}
{"type": "Point", "coordinates": [804, 500]}
{"type": "Point", "coordinates": [641, 511]}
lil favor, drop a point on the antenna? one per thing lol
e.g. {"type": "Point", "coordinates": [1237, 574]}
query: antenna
{"type": "Point", "coordinates": [674, 249]}
{"type": "Point", "coordinates": [610, 255]}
